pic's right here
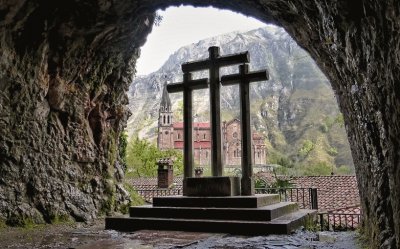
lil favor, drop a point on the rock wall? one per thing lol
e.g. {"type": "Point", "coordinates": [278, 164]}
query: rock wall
{"type": "Point", "coordinates": [64, 68]}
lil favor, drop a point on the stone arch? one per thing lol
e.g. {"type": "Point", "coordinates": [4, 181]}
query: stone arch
{"type": "Point", "coordinates": [347, 41]}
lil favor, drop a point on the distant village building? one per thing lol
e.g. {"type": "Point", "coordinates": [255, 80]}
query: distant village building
{"type": "Point", "coordinates": [170, 136]}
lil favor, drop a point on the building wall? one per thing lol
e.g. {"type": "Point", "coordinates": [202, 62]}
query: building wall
{"type": "Point", "coordinates": [232, 142]}
{"type": "Point", "coordinates": [202, 156]}
{"type": "Point", "coordinates": [232, 150]}
{"type": "Point", "coordinates": [166, 138]}
{"type": "Point", "coordinates": [165, 129]}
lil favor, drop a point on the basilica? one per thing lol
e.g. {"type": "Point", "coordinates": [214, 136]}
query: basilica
{"type": "Point", "coordinates": [170, 136]}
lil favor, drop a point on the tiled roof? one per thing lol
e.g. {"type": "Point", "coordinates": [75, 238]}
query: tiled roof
{"type": "Point", "coordinates": [338, 194]}
{"type": "Point", "coordinates": [196, 144]}
{"type": "Point", "coordinates": [334, 192]}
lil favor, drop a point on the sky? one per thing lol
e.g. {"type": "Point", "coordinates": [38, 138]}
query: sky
{"type": "Point", "coordinates": [182, 26]}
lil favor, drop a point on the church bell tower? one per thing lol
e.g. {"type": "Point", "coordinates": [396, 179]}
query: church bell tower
{"type": "Point", "coordinates": [165, 125]}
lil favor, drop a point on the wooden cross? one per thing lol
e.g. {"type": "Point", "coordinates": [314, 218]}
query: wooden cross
{"type": "Point", "coordinates": [244, 78]}
{"type": "Point", "coordinates": [213, 64]}
{"type": "Point", "coordinates": [187, 86]}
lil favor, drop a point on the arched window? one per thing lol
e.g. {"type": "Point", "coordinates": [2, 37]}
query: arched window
{"type": "Point", "coordinates": [206, 154]}
{"type": "Point", "coordinates": [164, 119]}
{"type": "Point", "coordinates": [168, 119]}
{"type": "Point", "coordinates": [258, 154]}
{"type": "Point", "coordinates": [179, 136]}
{"type": "Point", "coordinates": [234, 153]}
{"type": "Point", "coordinates": [204, 136]}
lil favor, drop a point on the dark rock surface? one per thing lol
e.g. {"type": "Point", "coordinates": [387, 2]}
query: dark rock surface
{"type": "Point", "coordinates": [93, 236]}
{"type": "Point", "coordinates": [65, 65]}
{"type": "Point", "coordinates": [64, 70]}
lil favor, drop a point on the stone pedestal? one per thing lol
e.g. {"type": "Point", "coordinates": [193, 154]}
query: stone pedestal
{"type": "Point", "coordinates": [248, 186]}
{"type": "Point", "coordinates": [211, 186]}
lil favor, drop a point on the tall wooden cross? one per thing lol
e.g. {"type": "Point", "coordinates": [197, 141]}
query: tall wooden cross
{"type": "Point", "coordinates": [187, 86]}
{"type": "Point", "coordinates": [213, 64]}
{"type": "Point", "coordinates": [244, 78]}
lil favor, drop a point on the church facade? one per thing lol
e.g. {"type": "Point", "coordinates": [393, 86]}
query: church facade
{"type": "Point", "coordinates": [170, 136]}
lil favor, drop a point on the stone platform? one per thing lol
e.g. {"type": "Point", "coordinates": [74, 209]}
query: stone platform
{"type": "Point", "coordinates": [211, 186]}
{"type": "Point", "coordinates": [247, 215]}
{"type": "Point", "coordinates": [254, 201]}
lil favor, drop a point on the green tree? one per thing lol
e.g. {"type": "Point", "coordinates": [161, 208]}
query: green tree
{"type": "Point", "coordinates": [344, 170]}
{"type": "Point", "coordinates": [306, 148]}
{"type": "Point", "coordinates": [318, 169]}
{"type": "Point", "coordinates": [177, 156]}
{"type": "Point", "coordinates": [142, 156]}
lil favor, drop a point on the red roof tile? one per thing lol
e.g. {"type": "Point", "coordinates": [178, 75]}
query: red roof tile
{"type": "Point", "coordinates": [334, 192]}
{"type": "Point", "coordinates": [338, 194]}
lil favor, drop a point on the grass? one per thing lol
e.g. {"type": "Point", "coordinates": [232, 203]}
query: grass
{"type": "Point", "coordinates": [3, 224]}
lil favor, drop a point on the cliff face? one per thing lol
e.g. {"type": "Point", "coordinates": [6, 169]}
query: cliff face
{"type": "Point", "coordinates": [296, 105]}
{"type": "Point", "coordinates": [65, 65]}
{"type": "Point", "coordinates": [64, 70]}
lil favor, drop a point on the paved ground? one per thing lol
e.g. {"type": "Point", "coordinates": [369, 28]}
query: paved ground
{"type": "Point", "coordinates": [94, 236]}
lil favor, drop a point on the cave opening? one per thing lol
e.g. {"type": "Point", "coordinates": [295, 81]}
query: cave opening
{"type": "Point", "coordinates": [298, 95]}
{"type": "Point", "coordinates": [83, 53]}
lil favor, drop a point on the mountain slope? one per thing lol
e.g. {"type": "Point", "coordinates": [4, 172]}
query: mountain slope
{"type": "Point", "coordinates": [296, 109]}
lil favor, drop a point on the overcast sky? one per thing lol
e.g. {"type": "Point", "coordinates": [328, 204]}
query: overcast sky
{"type": "Point", "coordinates": [185, 25]}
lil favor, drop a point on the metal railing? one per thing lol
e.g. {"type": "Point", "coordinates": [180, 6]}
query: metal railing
{"type": "Point", "coordinates": [338, 221]}
{"type": "Point", "coordinates": [307, 198]}
{"type": "Point", "coordinates": [148, 194]}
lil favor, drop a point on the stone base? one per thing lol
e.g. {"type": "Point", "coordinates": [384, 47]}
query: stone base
{"type": "Point", "coordinates": [255, 201]}
{"type": "Point", "coordinates": [211, 186]}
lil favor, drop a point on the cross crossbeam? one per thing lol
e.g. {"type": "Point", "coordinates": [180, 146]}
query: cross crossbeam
{"type": "Point", "coordinates": [244, 78]}
{"type": "Point", "coordinates": [213, 64]}
{"type": "Point", "coordinates": [187, 87]}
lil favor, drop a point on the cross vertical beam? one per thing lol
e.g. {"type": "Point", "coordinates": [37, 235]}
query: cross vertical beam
{"type": "Point", "coordinates": [213, 64]}
{"type": "Point", "coordinates": [215, 112]}
{"type": "Point", "coordinates": [187, 129]}
{"type": "Point", "coordinates": [187, 87]}
{"type": "Point", "coordinates": [244, 78]}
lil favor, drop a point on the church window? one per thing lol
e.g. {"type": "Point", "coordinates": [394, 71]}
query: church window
{"type": "Point", "coordinates": [258, 154]}
{"type": "Point", "coordinates": [168, 120]}
{"type": "Point", "coordinates": [234, 153]}
{"type": "Point", "coordinates": [179, 136]}
{"type": "Point", "coordinates": [204, 136]}
{"type": "Point", "coordinates": [166, 132]}
{"type": "Point", "coordinates": [164, 119]}
{"type": "Point", "coordinates": [206, 154]}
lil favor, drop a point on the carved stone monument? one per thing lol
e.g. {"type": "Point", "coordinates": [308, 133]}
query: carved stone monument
{"type": "Point", "coordinates": [217, 185]}
{"type": "Point", "coordinates": [217, 203]}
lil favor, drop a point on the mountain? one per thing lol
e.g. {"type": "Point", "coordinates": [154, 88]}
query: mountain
{"type": "Point", "coordinates": [295, 110]}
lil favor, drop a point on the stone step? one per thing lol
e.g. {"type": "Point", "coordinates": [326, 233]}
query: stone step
{"type": "Point", "coordinates": [282, 225]}
{"type": "Point", "coordinates": [254, 201]}
{"type": "Point", "coordinates": [265, 213]}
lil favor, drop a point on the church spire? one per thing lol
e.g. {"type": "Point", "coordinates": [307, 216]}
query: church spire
{"type": "Point", "coordinates": [165, 100]}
